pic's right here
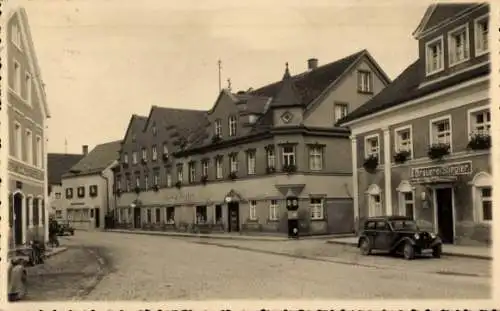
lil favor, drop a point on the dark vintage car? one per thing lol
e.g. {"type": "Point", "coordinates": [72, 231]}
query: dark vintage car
{"type": "Point", "coordinates": [64, 228]}
{"type": "Point", "coordinates": [397, 235]}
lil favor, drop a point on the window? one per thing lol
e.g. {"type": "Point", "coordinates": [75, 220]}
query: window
{"type": "Point", "coordinates": [179, 173]}
{"type": "Point", "coordinates": [406, 204]}
{"type": "Point", "coordinates": [29, 147]}
{"type": "Point", "coordinates": [403, 138]}
{"type": "Point", "coordinates": [233, 163]}
{"type": "Point", "coordinates": [372, 146]}
{"type": "Point", "coordinates": [364, 81]}
{"type": "Point", "coordinates": [137, 181]}
{"type": "Point", "coordinates": [156, 177]}
{"type": "Point", "coordinates": [251, 162]}
{"type": "Point", "coordinates": [69, 193]}
{"type": "Point", "coordinates": [218, 168]}
{"type": "Point", "coordinates": [157, 215]}
{"type": "Point", "coordinates": [146, 181]}
{"type": "Point", "coordinates": [315, 158]}
{"type": "Point", "coordinates": [253, 210]}
{"type": "Point", "coordinates": [165, 149]}
{"type": "Point", "coordinates": [201, 214]}
{"type": "Point", "coordinates": [80, 191]}
{"type": "Point", "coordinates": [481, 29]}
{"type": "Point", "coordinates": [232, 126]}
{"type": "Point", "coordinates": [316, 206]}
{"type": "Point", "coordinates": [15, 34]}
{"type": "Point", "coordinates": [339, 111]}
{"type": "Point", "coordinates": [434, 55]}
{"type": "Point", "coordinates": [128, 183]}
{"type": "Point", "coordinates": [218, 214]}
{"type": "Point", "coordinates": [271, 158]}
{"type": "Point", "coordinates": [93, 190]}
{"type": "Point", "coordinates": [441, 131]}
{"type": "Point", "coordinates": [29, 87]}
{"type": "Point", "coordinates": [458, 45]}
{"type": "Point", "coordinates": [218, 128]}
{"type": "Point", "coordinates": [134, 157]}
{"type": "Point", "coordinates": [154, 153]}
{"type": "Point", "coordinates": [274, 210]}
{"type": "Point", "coordinates": [480, 121]}
{"type": "Point", "coordinates": [288, 155]}
{"type": "Point", "coordinates": [39, 152]}
{"type": "Point", "coordinates": [486, 210]}
{"type": "Point", "coordinates": [169, 180]}
{"type": "Point", "coordinates": [204, 168]}
{"type": "Point", "coordinates": [374, 205]}
{"type": "Point", "coordinates": [144, 154]}
{"type": "Point", "coordinates": [18, 141]}
{"type": "Point", "coordinates": [170, 215]}
{"type": "Point", "coordinates": [17, 78]}
{"type": "Point", "coordinates": [192, 172]}
{"type": "Point", "coordinates": [125, 158]}
{"type": "Point", "coordinates": [154, 130]}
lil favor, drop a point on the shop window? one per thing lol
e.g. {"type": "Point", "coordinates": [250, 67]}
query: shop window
{"type": "Point", "coordinates": [201, 214]}
{"type": "Point", "coordinates": [482, 188]}
{"type": "Point", "coordinates": [170, 215]}
{"type": "Point", "coordinates": [218, 214]}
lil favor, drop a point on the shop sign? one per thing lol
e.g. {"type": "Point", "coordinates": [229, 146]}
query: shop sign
{"type": "Point", "coordinates": [25, 170]}
{"type": "Point", "coordinates": [446, 171]}
{"type": "Point", "coordinates": [181, 197]}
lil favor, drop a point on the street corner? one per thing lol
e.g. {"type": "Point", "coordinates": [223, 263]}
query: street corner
{"type": "Point", "coordinates": [50, 252]}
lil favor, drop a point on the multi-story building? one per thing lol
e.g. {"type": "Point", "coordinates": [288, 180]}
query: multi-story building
{"type": "Point", "coordinates": [57, 165]}
{"type": "Point", "coordinates": [25, 129]}
{"type": "Point", "coordinates": [421, 147]}
{"type": "Point", "coordinates": [88, 188]}
{"type": "Point", "coordinates": [238, 165]}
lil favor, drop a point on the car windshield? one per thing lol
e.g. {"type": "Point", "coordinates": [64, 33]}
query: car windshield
{"type": "Point", "coordinates": [404, 225]}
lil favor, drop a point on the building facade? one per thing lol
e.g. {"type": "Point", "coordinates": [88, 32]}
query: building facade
{"type": "Point", "coordinates": [27, 114]}
{"type": "Point", "coordinates": [249, 156]}
{"type": "Point", "coordinates": [421, 147]}
{"type": "Point", "coordinates": [87, 196]}
{"type": "Point", "coordinates": [57, 165]}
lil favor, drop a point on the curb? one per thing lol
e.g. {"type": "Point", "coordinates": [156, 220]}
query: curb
{"type": "Point", "coordinates": [472, 256]}
{"type": "Point", "coordinates": [63, 249]}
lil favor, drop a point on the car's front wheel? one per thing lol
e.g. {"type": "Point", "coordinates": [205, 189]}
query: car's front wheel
{"type": "Point", "coordinates": [408, 251]}
{"type": "Point", "coordinates": [437, 251]}
{"type": "Point", "coordinates": [365, 247]}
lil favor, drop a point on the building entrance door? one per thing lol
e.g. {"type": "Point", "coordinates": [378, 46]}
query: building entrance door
{"type": "Point", "coordinates": [97, 217]}
{"type": "Point", "coordinates": [137, 217]}
{"type": "Point", "coordinates": [444, 212]}
{"type": "Point", "coordinates": [233, 214]}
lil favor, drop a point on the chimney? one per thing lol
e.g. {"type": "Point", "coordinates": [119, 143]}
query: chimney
{"type": "Point", "coordinates": [85, 149]}
{"type": "Point", "coordinates": [312, 63]}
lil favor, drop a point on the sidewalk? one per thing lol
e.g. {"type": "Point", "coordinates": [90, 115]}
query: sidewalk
{"type": "Point", "coordinates": [51, 251]}
{"type": "Point", "coordinates": [477, 252]}
{"type": "Point", "coordinates": [225, 235]}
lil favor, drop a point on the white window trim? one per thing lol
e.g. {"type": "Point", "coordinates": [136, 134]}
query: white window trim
{"type": "Point", "coordinates": [274, 207]}
{"type": "Point", "coordinates": [396, 138]}
{"type": "Point", "coordinates": [204, 168]}
{"type": "Point", "coordinates": [218, 127]}
{"type": "Point", "coordinates": [431, 128]}
{"type": "Point", "coordinates": [169, 180]}
{"type": "Point", "coordinates": [467, 44]}
{"type": "Point", "coordinates": [192, 172]}
{"type": "Point", "coordinates": [146, 182]}
{"type": "Point", "coordinates": [125, 158]}
{"type": "Point", "coordinates": [233, 161]}
{"type": "Point", "coordinates": [316, 151]}
{"type": "Point", "coordinates": [402, 202]}
{"type": "Point", "coordinates": [144, 154]}
{"type": "Point", "coordinates": [294, 153]}
{"type": "Point", "coordinates": [369, 75]}
{"type": "Point", "coordinates": [479, 181]}
{"type": "Point", "coordinates": [154, 153]}
{"type": "Point", "coordinates": [369, 137]}
{"type": "Point", "coordinates": [251, 155]}
{"type": "Point", "coordinates": [29, 147]}
{"type": "Point", "coordinates": [252, 209]}
{"type": "Point", "coordinates": [232, 121]}
{"type": "Point", "coordinates": [321, 205]}
{"type": "Point", "coordinates": [134, 157]}
{"type": "Point", "coordinates": [218, 166]}
{"type": "Point", "coordinates": [17, 80]}
{"type": "Point", "coordinates": [29, 88]}
{"type": "Point", "coordinates": [476, 27]}
{"type": "Point", "coordinates": [339, 104]}
{"type": "Point", "coordinates": [472, 111]}
{"type": "Point", "coordinates": [18, 152]}
{"type": "Point", "coordinates": [271, 154]}
{"type": "Point", "coordinates": [429, 43]}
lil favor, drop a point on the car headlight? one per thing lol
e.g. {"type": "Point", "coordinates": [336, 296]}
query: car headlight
{"type": "Point", "coordinates": [433, 235]}
{"type": "Point", "coordinates": [417, 236]}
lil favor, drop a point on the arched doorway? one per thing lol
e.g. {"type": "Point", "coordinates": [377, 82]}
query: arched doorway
{"type": "Point", "coordinates": [18, 217]}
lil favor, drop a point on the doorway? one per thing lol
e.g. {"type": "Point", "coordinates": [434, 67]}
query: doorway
{"type": "Point", "coordinates": [233, 214]}
{"type": "Point", "coordinates": [444, 214]}
{"type": "Point", "coordinates": [97, 217]}
{"type": "Point", "coordinates": [18, 218]}
{"type": "Point", "coordinates": [137, 217]}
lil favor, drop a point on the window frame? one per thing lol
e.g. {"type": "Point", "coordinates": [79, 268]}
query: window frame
{"type": "Point", "coordinates": [271, 157]}
{"type": "Point", "coordinates": [451, 35]}
{"type": "Point", "coordinates": [218, 127]}
{"type": "Point", "coordinates": [432, 124]}
{"type": "Point", "coordinates": [428, 44]}
{"type": "Point", "coordinates": [251, 162]}
{"type": "Point", "coordinates": [233, 163]}
{"type": "Point", "coordinates": [154, 153]}
{"type": "Point", "coordinates": [481, 200]}
{"type": "Point", "coordinates": [146, 181]}
{"type": "Point", "coordinates": [477, 21]}
{"type": "Point", "coordinates": [285, 155]}
{"type": "Point", "coordinates": [367, 138]}
{"type": "Point", "coordinates": [252, 209]}
{"type": "Point", "coordinates": [336, 118]}
{"type": "Point", "coordinates": [134, 157]}
{"type": "Point", "coordinates": [397, 139]}
{"type": "Point", "coordinates": [365, 87]}
{"type": "Point", "coordinates": [29, 88]}
{"type": "Point", "coordinates": [316, 151]}
{"type": "Point", "coordinates": [232, 124]}
{"type": "Point", "coordinates": [204, 168]}
{"type": "Point", "coordinates": [471, 113]}
{"type": "Point", "coordinates": [180, 172]}
{"type": "Point", "coordinates": [16, 83]}
{"type": "Point", "coordinates": [28, 141]}
{"type": "Point", "coordinates": [219, 168]}
{"type": "Point", "coordinates": [192, 172]}
{"type": "Point", "coordinates": [318, 208]}
{"type": "Point", "coordinates": [18, 146]}
{"type": "Point", "coordinates": [274, 210]}
{"type": "Point", "coordinates": [403, 202]}
{"type": "Point", "coordinates": [125, 157]}
{"type": "Point", "coordinates": [144, 154]}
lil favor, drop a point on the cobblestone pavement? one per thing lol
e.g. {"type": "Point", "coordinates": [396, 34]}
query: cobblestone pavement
{"type": "Point", "coordinates": [65, 276]}
{"type": "Point", "coordinates": [158, 268]}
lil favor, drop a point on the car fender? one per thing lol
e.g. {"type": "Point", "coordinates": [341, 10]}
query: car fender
{"type": "Point", "coordinates": [402, 241]}
{"type": "Point", "coordinates": [361, 238]}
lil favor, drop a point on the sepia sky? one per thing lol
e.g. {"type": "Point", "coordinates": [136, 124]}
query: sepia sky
{"type": "Point", "coordinates": [104, 60]}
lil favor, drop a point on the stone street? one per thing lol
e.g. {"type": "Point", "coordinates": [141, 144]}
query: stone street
{"type": "Point", "coordinates": [155, 268]}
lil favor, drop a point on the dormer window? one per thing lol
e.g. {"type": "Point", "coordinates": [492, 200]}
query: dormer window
{"type": "Point", "coordinates": [154, 130]}
{"type": "Point", "coordinates": [232, 125]}
{"type": "Point", "coordinates": [481, 30]}
{"type": "Point", "coordinates": [252, 118]}
{"type": "Point", "coordinates": [458, 45]}
{"type": "Point", "coordinates": [218, 128]}
{"type": "Point", "coordinates": [434, 56]}
{"type": "Point", "coordinates": [165, 149]}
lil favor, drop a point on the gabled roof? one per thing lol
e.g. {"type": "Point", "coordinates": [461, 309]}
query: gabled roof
{"type": "Point", "coordinates": [406, 87]}
{"type": "Point", "coordinates": [60, 163]}
{"type": "Point", "coordinates": [437, 14]}
{"type": "Point", "coordinates": [101, 157]}
{"type": "Point", "coordinates": [32, 58]}
{"type": "Point", "coordinates": [288, 95]}
{"type": "Point", "coordinates": [136, 121]}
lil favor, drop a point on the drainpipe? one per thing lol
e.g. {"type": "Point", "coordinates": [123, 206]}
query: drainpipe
{"type": "Point", "coordinates": [107, 197]}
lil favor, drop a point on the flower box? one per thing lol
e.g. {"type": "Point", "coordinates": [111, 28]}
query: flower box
{"type": "Point", "coordinates": [289, 168]}
{"type": "Point", "coordinates": [232, 175]}
{"type": "Point", "coordinates": [401, 156]}
{"type": "Point", "coordinates": [479, 141]}
{"type": "Point", "coordinates": [178, 185]}
{"type": "Point", "coordinates": [270, 170]}
{"type": "Point", "coordinates": [438, 151]}
{"type": "Point", "coordinates": [137, 190]}
{"type": "Point", "coordinates": [204, 179]}
{"type": "Point", "coordinates": [371, 163]}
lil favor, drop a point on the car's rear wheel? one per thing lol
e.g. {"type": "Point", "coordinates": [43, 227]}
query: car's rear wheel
{"type": "Point", "coordinates": [437, 251]}
{"type": "Point", "coordinates": [408, 251]}
{"type": "Point", "coordinates": [365, 247]}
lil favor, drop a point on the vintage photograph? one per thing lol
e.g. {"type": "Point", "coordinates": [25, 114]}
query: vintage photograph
{"type": "Point", "coordinates": [265, 150]}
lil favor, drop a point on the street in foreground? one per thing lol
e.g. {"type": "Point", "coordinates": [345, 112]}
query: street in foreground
{"type": "Point", "coordinates": [155, 268]}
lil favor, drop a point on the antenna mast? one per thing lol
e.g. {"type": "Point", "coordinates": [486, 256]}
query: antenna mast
{"type": "Point", "coordinates": [219, 64]}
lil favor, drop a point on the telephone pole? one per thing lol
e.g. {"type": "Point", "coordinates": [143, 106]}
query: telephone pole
{"type": "Point", "coordinates": [219, 64]}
